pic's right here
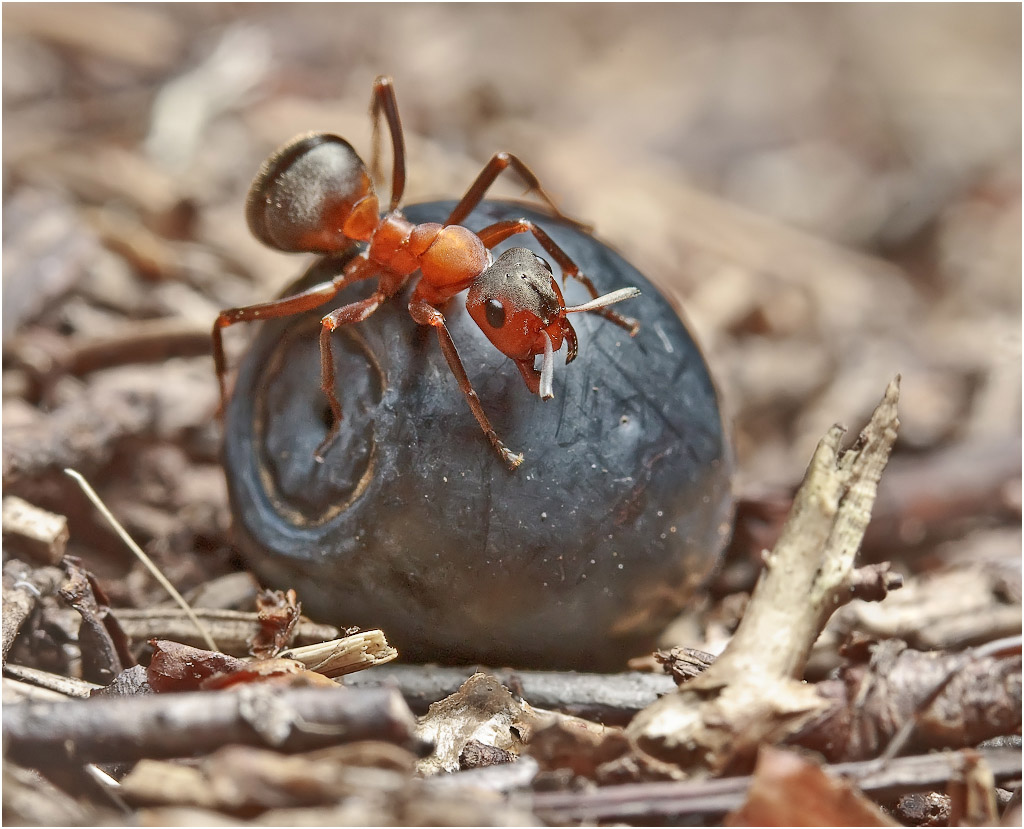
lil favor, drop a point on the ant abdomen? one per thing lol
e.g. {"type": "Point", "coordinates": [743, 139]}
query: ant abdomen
{"type": "Point", "coordinates": [313, 195]}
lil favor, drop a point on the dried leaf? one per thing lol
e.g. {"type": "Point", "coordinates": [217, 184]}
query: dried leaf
{"type": "Point", "coordinates": [242, 780]}
{"type": "Point", "coordinates": [347, 655]}
{"type": "Point", "coordinates": [577, 745]}
{"type": "Point", "coordinates": [475, 755]}
{"type": "Point", "coordinates": [278, 613]}
{"type": "Point", "coordinates": [789, 790]}
{"type": "Point", "coordinates": [482, 710]}
{"type": "Point", "coordinates": [267, 670]}
{"type": "Point", "coordinates": [105, 651]}
{"type": "Point", "coordinates": [129, 682]}
{"type": "Point", "coordinates": [176, 667]}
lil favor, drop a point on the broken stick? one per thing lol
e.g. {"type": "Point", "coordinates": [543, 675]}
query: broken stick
{"type": "Point", "coordinates": [108, 729]}
{"type": "Point", "coordinates": [752, 694]}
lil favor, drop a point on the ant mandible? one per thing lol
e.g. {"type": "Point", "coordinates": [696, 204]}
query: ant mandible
{"type": "Point", "coordinates": [314, 195]}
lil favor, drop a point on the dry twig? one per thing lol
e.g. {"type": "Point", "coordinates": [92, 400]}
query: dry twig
{"type": "Point", "coordinates": [941, 700]}
{"type": "Point", "coordinates": [106, 729]}
{"type": "Point", "coordinates": [645, 802]}
{"type": "Point", "coordinates": [64, 685]}
{"type": "Point", "coordinates": [751, 694]}
{"type": "Point", "coordinates": [232, 629]}
{"type": "Point", "coordinates": [612, 699]}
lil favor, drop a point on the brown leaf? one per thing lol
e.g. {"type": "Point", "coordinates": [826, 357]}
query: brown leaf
{"type": "Point", "coordinates": [683, 663]}
{"type": "Point", "coordinates": [789, 790]}
{"type": "Point", "coordinates": [267, 670]}
{"type": "Point", "coordinates": [475, 755]}
{"type": "Point", "coordinates": [278, 615]}
{"type": "Point", "coordinates": [177, 667]}
{"type": "Point", "coordinates": [105, 651]}
{"type": "Point", "coordinates": [577, 745]}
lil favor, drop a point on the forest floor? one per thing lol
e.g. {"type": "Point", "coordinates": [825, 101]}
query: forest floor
{"type": "Point", "coordinates": [830, 194]}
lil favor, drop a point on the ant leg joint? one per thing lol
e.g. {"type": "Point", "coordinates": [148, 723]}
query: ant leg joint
{"type": "Point", "coordinates": [512, 459]}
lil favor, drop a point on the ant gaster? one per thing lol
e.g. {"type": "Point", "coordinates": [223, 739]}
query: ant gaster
{"type": "Point", "coordinates": [314, 195]}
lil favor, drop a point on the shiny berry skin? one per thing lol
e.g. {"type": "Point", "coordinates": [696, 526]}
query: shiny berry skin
{"type": "Point", "coordinates": [575, 560]}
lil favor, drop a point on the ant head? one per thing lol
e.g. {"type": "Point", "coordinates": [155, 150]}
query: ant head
{"type": "Point", "coordinates": [516, 302]}
{"type": "Point", "coordinates": [313, 195]}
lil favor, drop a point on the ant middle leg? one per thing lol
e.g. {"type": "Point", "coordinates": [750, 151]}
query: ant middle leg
{"type": "Point", "coordinates": [498, 232]}
{"type": "Point", "coordinates": [426, 314]}
{"type": "Point", "coordinates": [356, 270]}
{"type": "Point", "coordinates": [384, 103]}
{"type": "Point", "coordinates": [388, 286]}
{"type": "Point", "coordinates": [499, 163]}
{"type": "Point", "coordinates": [346, 315]}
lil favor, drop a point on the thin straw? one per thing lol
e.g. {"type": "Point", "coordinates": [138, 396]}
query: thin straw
{"type": "Point", "coordinates": [137, 550]}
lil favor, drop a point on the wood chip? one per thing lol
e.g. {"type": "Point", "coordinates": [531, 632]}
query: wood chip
{"type": "Point", "coordinates": [40, 534]}
{"type": "Point", "coordinates": [346, 655]}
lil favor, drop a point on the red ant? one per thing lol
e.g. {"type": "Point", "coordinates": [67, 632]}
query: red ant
{"type": "Point", "coordinates": [314, 195]}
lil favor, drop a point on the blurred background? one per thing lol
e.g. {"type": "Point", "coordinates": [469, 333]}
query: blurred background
{"type": "Point", "coordinates": [830, 193]}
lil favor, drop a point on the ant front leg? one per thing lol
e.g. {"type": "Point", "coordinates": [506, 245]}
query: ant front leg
{"type": "Point", "coordinates": [498, 164]}
{"type": "Point", "coordinates": [498, 232]}
{"type": "Point", "coordinates": [384, 102]}
{"type": "Point", "coordinates": [426, 314]}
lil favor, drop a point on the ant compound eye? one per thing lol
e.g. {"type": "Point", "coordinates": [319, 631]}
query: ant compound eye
{"type": "Point", "coordinates": [495, 313]}
{"type": "Point", "coordinates": [545, 263]}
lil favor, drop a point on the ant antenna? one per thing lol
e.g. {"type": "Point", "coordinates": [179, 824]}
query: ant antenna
{"type": "Point", "coordinates": [604, 301]}
{"type": "Point", "coordinates": [547, 367]}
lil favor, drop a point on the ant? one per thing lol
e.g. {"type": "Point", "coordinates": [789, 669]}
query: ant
{"type": "Point", "coordinates": [314, 195]}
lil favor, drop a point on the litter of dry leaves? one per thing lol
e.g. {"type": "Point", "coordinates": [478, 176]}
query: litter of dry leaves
{"type": "Point", "coordinates": [831, 195]}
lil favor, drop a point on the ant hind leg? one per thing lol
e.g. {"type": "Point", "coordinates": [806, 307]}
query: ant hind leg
{"type": "Point", "coordinates": [384, 103]}
{"type": "Point", "coordinates": [499, 163]}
